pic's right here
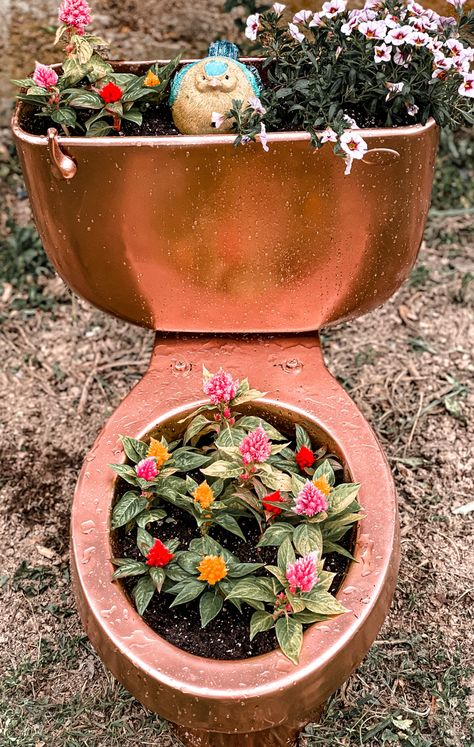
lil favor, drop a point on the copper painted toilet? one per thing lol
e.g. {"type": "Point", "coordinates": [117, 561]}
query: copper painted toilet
{"type": "Point", "coordinates": [236, 259]}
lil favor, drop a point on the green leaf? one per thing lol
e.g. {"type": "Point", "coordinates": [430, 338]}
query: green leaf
{"type": "Point", "coordinates": [297, 484]}
{"type": "Point", "coordinates": [88, 100]}
{"type": "Point", "coordinates": [307, 538]}
{"type": "Point", "coordinates": [325, 470]}
{"type": "Point", "coordinates": [134, 449]}
{"type": "Point", "coordinates": [191, 589]}
{"type": "Point", "coordinates": [289, 633]}
{"type": "Point", "coordinates": [158, 577]}
{"type": "Point", "coordinates": [189, 560]}
{"type": "Point", "coordinates": [128, 567]}
{"type": "Point", "coordinates": [286, 554]}
{"type": "Point", "coordinates": [129, 505]}
{"type": "Point", "coordinates": [342, 496]}
{"type": "Point", "coordinates": [73, 71]}
{"type": "Point", "coordinates": [126, 472]}
{"type": "Point", "coordinates": [259, 622]}
{"type": "Point", "coordinates": [323, 603]}
{"type": "Point", "coordinates": [230, 436]}
{"type": "Point", "coordinates": [306, 617]}
{"type": "Point", "coordinates": [83, 50]}
{"type": "Point", "coordinates": [274, 479]}
{"type": "Point", "coordinates": [302, 438]}
{"type": "Point", "coordinates": [143, 593]}
{"type": "Point", "coordinates": [186, 460]}
{"type": "Point", "coordinates": [147, 517]}
{"type": "Point", "coordinates": [251, 588]}
{"type": "Point", "coordinates": [144, 541]}
{"type": "Point", "coordinates": [223, 469]}
{"type": "Point", "coordinates": [249, 396]}
{"type": "Point", "coordinates": [196, 426]}
{"type": "Point", "coordinates": [98, 68]}
{"type": "Point", "coordinates": [275, 534]}
{"type": "Point", "coordinates": [230, 524]}
{"type": "Point", "coordinates": [251, 422]}
{"type": "Point", "coordinates": [210, 605]}
{"type": "Point", "coordinates": [329, 546]}
{"type": "Point", "coordinates": [133, 115]}
{"type": "Point", "coordinates": [278, 573]}
{"type": "Point", "coordinates": [238, 570]}
{"type": "Point", "coordinates": [99, 128]}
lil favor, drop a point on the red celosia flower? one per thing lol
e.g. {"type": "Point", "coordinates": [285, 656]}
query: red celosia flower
{"type": "Point", "coordinates": [111, 93]}
{"type": "Point", "coordinates": [275, 498]}
{"type": "Point", "coordinates": [304, 458]}
{"type": "Point", "coordinates": [159, 555]}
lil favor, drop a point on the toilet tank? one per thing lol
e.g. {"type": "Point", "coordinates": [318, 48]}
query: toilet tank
{"type": "Point", "coordinates": [188, 233]}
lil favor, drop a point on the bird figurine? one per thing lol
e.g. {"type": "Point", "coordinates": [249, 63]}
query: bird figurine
{"type": "Point", "coordinates": [210, 85]}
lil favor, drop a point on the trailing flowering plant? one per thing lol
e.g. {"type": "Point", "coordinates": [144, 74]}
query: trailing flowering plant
{"type": "Point", "coordinates": [227, 472]}
{"type": "Point", "coordinates": [86, 81]}
{"type": "Point", "coordinates": [388, 64]}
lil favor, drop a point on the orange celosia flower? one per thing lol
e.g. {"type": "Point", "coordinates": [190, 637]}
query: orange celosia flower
{"type": "Point", "coordinates": [151, 80]}
{"type": "Point", "coordinates": [212, 569]}
{"type": "Point", "coordinates": [322, 484]}
{"type": "Point", "coordinates": [158, 451]}
{"type": "Point", "coordinates": [204, 495]}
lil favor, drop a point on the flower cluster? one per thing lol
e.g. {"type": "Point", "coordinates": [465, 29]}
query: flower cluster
{"type": "Point", "coordinates": [392, 63]}
{"type": "Point", "coordinates": [75, 14]}
{"type": "Point", "coordinates": [236, 475]}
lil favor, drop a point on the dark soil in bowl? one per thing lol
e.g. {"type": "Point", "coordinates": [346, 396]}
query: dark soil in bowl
{"type": "Point", "coordinates": [227, 636]}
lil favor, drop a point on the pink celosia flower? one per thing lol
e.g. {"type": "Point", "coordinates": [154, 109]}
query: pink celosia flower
{"type": "Point", "coordinates": [76, 14]}
{"type": "Point", "coordinates": [147, 469]}
{"type": "Point", "coordinates": [255, 447]}
{"type": "Point", "coordinates": [253, 24]}
{"type": "Point", "coordinates": [44, 76]}
{"type": "Point", "coordinates": [302, 573]}
{"type": "Point", "coordinates": [295, 33]}
{"type": "Point", "coordinates": [221, 387]}
{"type": "Point", "coordinates": [310, 500]}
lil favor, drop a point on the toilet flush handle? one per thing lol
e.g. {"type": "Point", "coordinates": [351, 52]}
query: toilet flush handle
{"type": "Point", "coordinates": [62, 166]}
{"type": "Point", "coordinates": [381, 156]}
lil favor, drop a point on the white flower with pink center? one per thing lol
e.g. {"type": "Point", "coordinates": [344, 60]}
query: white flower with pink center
{"type": "Point", "coordinates": [256, 105]}
{"type": "Point", "coordinates": [415, 9]}
{"type": "Point", "coordinates": [382, 53]}
{"type": "Point", "coordinates": [264, 137]}
{"type": "Point", "coordinates": [295, 32]}
{"type": "Point", "coordinates": [316, 20]}
{"type": "Point", "coordinates": [333, 8]}
{"type": "Point", "coordinates": [353, 144]}
{"type": "Point", "coordinates": [278, 8]}
{"type": "Point", "coordinates": [455, 47]}
{"type": "Point", "coordinates": [402, 58]}
{"type": "Point", "coordinates": [217, 119]}
{"type": "Point", "coordinates": [252, 27]}
{"type": "Point", "coordinates": [373, 29]}
{"type": "Point", "coordinates": [412, 109]}
{"type": "Point", "coordinates": [458, 4]}
{"type": "Point", "coordinates": [418, 39]}
{"type": "Point", "coordinates": [398, 35]}
{"type": "Point", "coordinates": [348, 28]}
{"type": "Point", "coordinates": [391, 21]}
{"type": "Point", "coordinates": [467, 86]}
{"type": "Point", "coordinates": [328, 136]}
{"type": "Point", "coordinates": [302, 574]}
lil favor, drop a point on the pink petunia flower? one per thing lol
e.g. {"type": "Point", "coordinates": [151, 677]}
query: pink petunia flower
{"type": "Point", "coordinates": [278, 8]}
{"type": "Point", "coordinates": [382, 53]}
{"type": "Point", "coordinates": [333, 8]}
{"type": "Point", "coordinates": [264, 137]}
{"type": "Point", "coordinates": [353, 144]}
{"type": "Point", "coordinates": [257, 106]}
{"type": "Point", "coordinates": [221, 387]}
{"type": "Point", "coordinates": [295, 33]}
{"type": "Point", "coordinates": [328, 136]}
{"type": "Point", "coordinates": [398, 35]}
{"type": "Point", "coordinates": [255, 447]}
{"type": "Point", "coordinates": [75, 14]}
{"type": "Point", "coordinates": [310, 500]}
{"type": "Point", "coordinates": [303, 16]}
{"type": "Point", "coordinates": [458, 4]}
{"type": "Point", "coordinates": [302, 573]}
{"type": "Point", "coordinates": [252, 27]}
{"type": "Point", "coordinates": [147, 469]}
{"type": "Point", "coordinates": [217, 119]}
{"type": "Point", "coordinates": [467, 86]}
{"type": "Point", "coordinates": [418, 39]}
{"type": "Point", "coordinates": [373, 29]}
{"type": "Point", "coordinates": [44, 76]}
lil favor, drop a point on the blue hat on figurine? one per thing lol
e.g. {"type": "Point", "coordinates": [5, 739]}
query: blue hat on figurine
{"type": "Point", "coordinates": [210, 85]}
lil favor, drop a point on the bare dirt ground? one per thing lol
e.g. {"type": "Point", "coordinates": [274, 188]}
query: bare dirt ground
{"type": "Point", "coordinates": [66, 366]}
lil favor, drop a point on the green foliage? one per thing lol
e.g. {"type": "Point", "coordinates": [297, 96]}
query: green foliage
{"type": "Point", "coordinates": [211, 474]}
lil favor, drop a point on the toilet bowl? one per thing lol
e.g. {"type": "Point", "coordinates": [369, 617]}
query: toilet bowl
{"type": "Point", "coordinates": [236, 258]}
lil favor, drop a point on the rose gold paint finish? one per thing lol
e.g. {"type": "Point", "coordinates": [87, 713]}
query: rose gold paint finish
{"type": "Point", "coordinates": [247, 698]}
{"type": "Point", "coordinates": [190, 234]}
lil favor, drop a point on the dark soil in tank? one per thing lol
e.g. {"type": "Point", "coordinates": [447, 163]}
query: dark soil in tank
{"type": "Point", "coordinates": [227, 636]}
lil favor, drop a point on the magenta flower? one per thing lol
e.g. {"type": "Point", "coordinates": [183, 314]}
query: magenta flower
{"type": "Point", "coordinates": [310, 500]}
{"type": "Point", "coordinates": [147, 469]}
{"type": "Point", "coordinates": [221, 387]}
{"type": "Point", "coordinates": [44, 76]}
{"type": "Point", "coordinates": [76, 14]}
{"type": "Point", "coordinates": [302, 573]}
{"type": "Point", "coordinates": [255, 447]}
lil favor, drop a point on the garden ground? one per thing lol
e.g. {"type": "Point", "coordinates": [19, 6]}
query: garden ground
{"type": "Point", "coordinates": [409, 366]}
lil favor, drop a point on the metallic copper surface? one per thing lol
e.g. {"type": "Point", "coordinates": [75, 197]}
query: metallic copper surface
{"type": "Point", "coordinates": [187, 233]}
{"type": "Point", "coordinates": [262, 701]}
{"type": "Point", "coordinates": [62, 166]}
